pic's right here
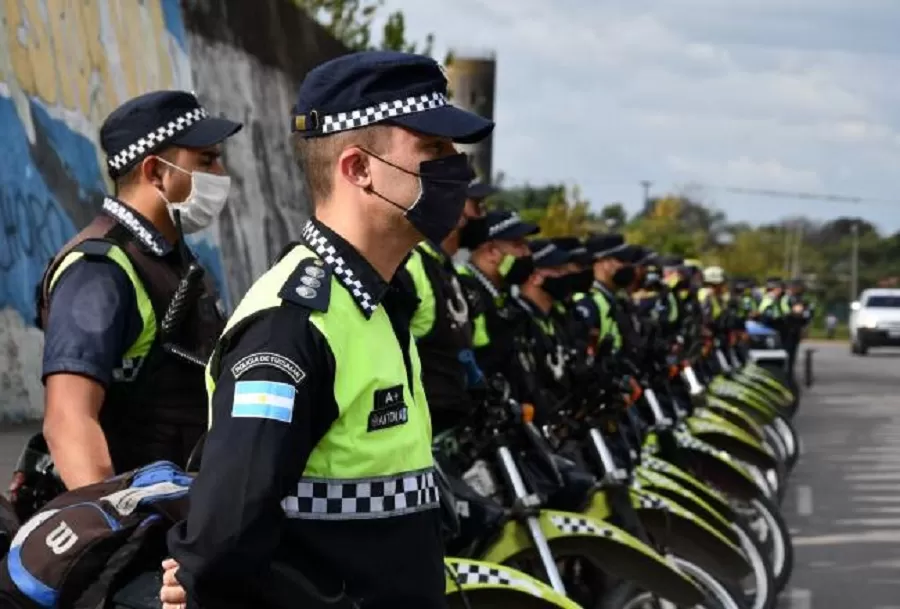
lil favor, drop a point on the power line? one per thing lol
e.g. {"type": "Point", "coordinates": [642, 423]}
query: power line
{"type": "Point", "coordinates": [789, 194]}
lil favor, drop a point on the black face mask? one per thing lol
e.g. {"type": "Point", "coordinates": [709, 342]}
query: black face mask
{"type": "Point", "coordinates": [442, 194]}
{"type": "Point", "coordinates": [558, 288]}
{"type": "Point", "coordinates": [581, 281]}
{"type": "Point", "coordinates": [474, 233]}
{"type": "Point", "coordinates": [623, 277]}
{"type": "Point", "coordinates": [516, 271]}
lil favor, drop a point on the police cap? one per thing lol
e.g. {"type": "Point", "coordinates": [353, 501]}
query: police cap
{"type": "Point", "coordinates": [480, 190]}
{"type": "Point", "coordinates": [608, 245]}
{"type": "Point", "coordinates": [774, 282]}
{"type": "Point", "coordinates": [148, 123]}
{"type": "Point", "coordinates": [576, 249]}
{"type": "Point", "coordinates": [373, 87]}
{"type": "Point", "coordinates": [546, 253]}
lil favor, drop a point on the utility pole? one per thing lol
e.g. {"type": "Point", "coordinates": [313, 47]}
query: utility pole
{"type": "Point", "coordinates": [646, 184]}
{"type": "Point", "coordinates": [795, 274]}
{"type": "Point", "coordinates": [786, 268]}
{"type": "Point", "coordinates": [854, 262]}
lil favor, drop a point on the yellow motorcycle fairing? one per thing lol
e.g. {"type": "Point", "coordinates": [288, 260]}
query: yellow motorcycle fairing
{"type": "Point", "coordinates": [713, 497]}
{"type": "Point", "coordinates": [733, 414]}
{"type": "Point", "coordinates": [606, 546]}
{"type": "Point", "coordinates": [724, 388]}
{"type": "Point", "coordinates": [671, 488]}
{"type": "Point", "coordinates": [490, 584]}
{"type": "Point", "coordinates": [718, 468]}
{"type": "Point", "coordinates": [674, 528]}
{"type": "Point", "coordinates": [724, 435]}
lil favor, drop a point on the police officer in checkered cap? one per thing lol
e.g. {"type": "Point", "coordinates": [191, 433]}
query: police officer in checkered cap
{"type": "Point", "coordinates": [114, 400]}
{"type": "Point", "coordinates": [318, 459]}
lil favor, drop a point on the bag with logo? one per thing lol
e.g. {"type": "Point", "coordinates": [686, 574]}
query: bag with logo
{"type": "Point", "coordinates": [85, 542]}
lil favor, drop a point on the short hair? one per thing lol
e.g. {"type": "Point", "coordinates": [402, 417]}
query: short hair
{"type": "Point", "coordinates": [316, 156]}
{"type": "Point", "coordinates": [129, 179]}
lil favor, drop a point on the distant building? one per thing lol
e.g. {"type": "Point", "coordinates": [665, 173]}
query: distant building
{"type": "Point", "coordinates": [472, 83]}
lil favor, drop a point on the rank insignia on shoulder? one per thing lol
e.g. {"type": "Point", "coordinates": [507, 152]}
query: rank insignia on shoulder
{"type": "Point", "coordinates": [309, 285]}
{"type": "Point", "coordinates": [389, 409]}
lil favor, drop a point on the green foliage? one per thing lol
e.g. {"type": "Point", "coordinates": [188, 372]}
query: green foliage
{"type": "Point", "coordinates": [351, 22]}
{"type": "Point", "coordinates": [677, 224]}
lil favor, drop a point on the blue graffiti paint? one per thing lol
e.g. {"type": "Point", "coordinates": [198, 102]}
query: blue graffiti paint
{"type": "Point", "coordinates": [76, 152]}
{"type": "Point", "coordinates": [209, 257]}
{"type": "Point", "coordinates": [174, 22]}
{"type": "Point", "coordinates": [32, 224]}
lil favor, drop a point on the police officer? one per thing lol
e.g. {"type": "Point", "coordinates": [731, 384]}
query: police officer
{"type": "Point", "coordinates": [499, 262]}
{"type": "Point", "coordinates": [318, 459]}
{"type": "Point", "coordinates": [442, 324]}
{"type": "Point", "coordinates": [550, 283]}
{"type": "Point", "coordinates": [114, 399]}
{"type": "Point", "coordinates": [710, 295]}
{"type": "Point", "coordinates": [613, 271]}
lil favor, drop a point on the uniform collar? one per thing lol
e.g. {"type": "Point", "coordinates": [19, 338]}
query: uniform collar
{"type": "Point", "coordinates": [139, 226]}
{"type": "Point", "coordinates": [486, 283]}
{"type": "Point", "coordinates": [435, 251]}
{"type": "Point", "coordinates": [599, 286]}
{"type": "Point", "coordinates": [364, 284]}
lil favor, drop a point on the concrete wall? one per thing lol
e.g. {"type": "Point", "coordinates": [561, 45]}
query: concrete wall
{"type": "Point", "coordinates": [65, 64]}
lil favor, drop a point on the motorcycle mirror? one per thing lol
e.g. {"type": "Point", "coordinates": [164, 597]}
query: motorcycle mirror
{"type": "Point", "coordinates": [500, 385]}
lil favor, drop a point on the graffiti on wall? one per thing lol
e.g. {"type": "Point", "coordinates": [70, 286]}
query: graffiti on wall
{"type": "Point", "coordinates": [64, 65]}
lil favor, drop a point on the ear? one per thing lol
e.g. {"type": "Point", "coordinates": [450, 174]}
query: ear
{"type": "Point", "coordinates": [152, 171]}
{"type": "Point", "coordinates": [353, 167]}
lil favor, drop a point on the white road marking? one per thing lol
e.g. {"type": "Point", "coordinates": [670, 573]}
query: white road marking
{"type": "Point", "coordinates": [875, 536]}
{"type": "Point", "coordinates": [877, 498]}
{"type": "Point", "coordinates": [874, 477]}
{"type": "Point", "coordinates": [870, 522]}
{"type": "Point", "coordinates": [801, 599]}
{"type": "Point", "coordinates": [877, 488]}
{"type": "Point", "coordinates": [804, 500]}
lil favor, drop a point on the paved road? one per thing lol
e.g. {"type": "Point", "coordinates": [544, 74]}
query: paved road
{"type": "Point", "coordinates": [843, 504]}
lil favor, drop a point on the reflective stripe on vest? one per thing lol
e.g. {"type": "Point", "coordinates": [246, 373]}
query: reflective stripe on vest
{"type": "Point", "coordinates": [353, 473]}
{"type": "Point", "coordinates": [138, 350]}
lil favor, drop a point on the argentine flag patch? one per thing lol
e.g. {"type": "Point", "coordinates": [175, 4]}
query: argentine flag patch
{"type": "Point", "coordinates": [264, 400]}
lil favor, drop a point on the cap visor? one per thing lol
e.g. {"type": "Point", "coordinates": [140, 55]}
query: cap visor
{"type": "Point", "coordinates": [208, 132]}
{"type": "Point", "coordinates": [555, 258]}
{"type": "Point", "coordinates": [480, 191]}
{"type": "Point", "coordinates": [448, 121]}
{"type": "Point", "coordinates": [519, 231]}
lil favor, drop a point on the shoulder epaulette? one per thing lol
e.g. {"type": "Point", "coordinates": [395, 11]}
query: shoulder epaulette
{"type": "Point", "coordinates": [309, 285]}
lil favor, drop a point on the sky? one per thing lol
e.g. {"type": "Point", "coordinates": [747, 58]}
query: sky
{"type": "Point", "coordinates": [795, 95]}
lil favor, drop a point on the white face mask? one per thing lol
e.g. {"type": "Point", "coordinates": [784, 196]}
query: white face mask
{"type": "Point", "coordinates": [209, 192]}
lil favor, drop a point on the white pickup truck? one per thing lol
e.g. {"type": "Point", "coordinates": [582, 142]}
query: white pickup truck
{"type": "Point", "coordinates": [875, 320]}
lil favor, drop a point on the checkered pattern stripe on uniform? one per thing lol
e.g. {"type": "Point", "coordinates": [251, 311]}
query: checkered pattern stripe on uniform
{"type": "Point", "coordinates": [375, 498]}
{"type": "Point", "coordinates": [470, 574]}
{"type": "Point", "coordinates": [578, 526]}
{"type": "Point", "coordinates": [129, 369]}
{"type": "Point", "coordinates": [154, 138]}
{"type": "Point", "coordinates": [321, 246]}
{"type": "Point", "coordinates": [342, 121]}
{"type": "Point", "coordinates": [124, 215]}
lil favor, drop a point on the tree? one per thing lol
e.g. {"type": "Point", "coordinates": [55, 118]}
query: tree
{"type": "Point", "coordinates": [567, 215]}
{"type": "Point", "coordinates": [613, 216]}
{"type": "Point", "coordinates": [351, 22]}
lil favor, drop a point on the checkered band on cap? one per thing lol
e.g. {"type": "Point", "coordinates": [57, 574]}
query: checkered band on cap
{"type": "Point", "coordinates": [363, 499]}
{"type": "Point", "coordinates": [152, 140]}
{"type": "Point", "coordinates": [544, 251]}
{"type": "Point", "coordinates": [502, 226]}
{"type": "Point", "coordinates": [321, 246]}
{"type": "Point", "coordinates": [354, 119]}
